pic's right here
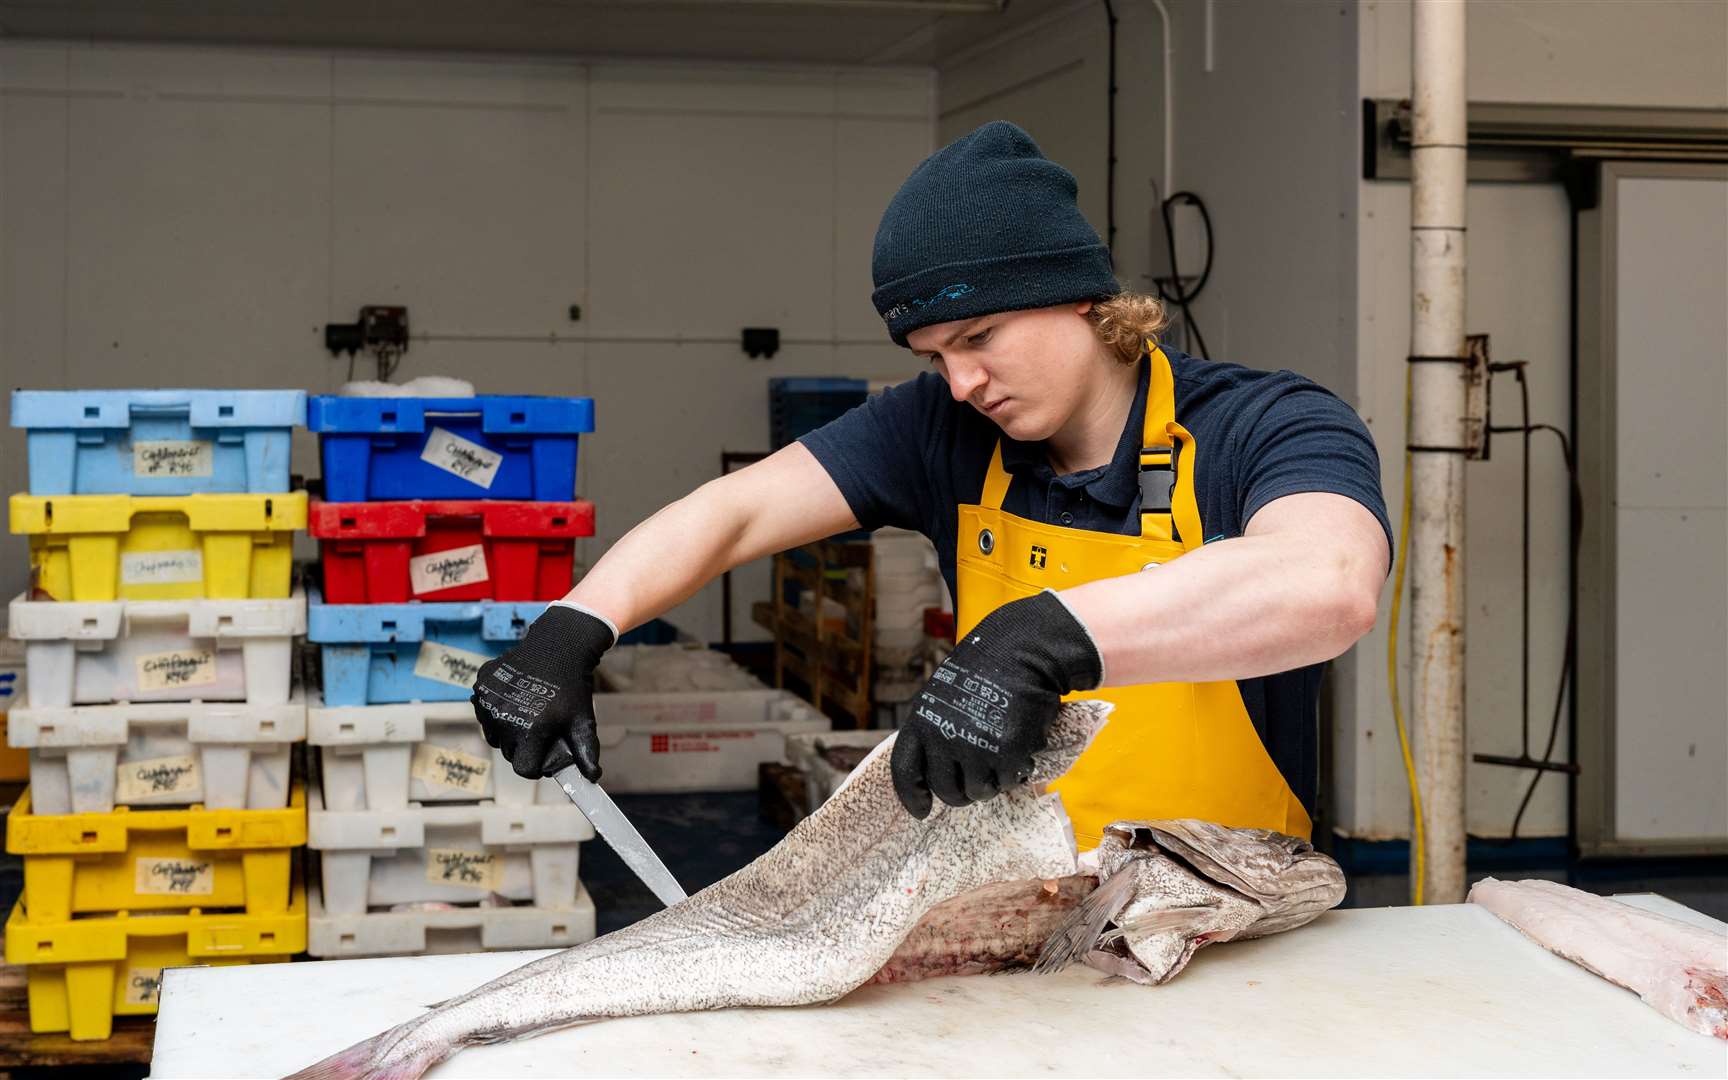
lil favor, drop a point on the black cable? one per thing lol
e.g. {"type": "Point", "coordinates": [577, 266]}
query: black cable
{"type": "Point", "coordinates": [1184, 297]}
{"type": "Point", "coordinates": [1110, 150]}
{"type": "Point", "coordinates": [1569, 659]}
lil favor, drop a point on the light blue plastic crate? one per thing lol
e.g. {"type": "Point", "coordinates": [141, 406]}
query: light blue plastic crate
{"type": "Point", "coordinates": [495, 446]}
{"type": "Point", "coordinates": [376, 654]}
{"type": "Point", "coordinates": [158, 442]}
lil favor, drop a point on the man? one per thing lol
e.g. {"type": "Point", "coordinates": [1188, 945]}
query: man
{"type": "Point", "coordinates": [1190, 540]}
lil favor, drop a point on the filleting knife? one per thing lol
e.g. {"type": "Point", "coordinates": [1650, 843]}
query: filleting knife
{"type": "Point", "coordinates": [615, 829]}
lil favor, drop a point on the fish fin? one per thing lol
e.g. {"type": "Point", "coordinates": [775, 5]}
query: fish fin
{"type": "Point", "coordinates": [1075, 937]}
{"type": "Point", "coordinates": [372, 1059]}
{"type": "Point", "coordinates": [1180, 920]}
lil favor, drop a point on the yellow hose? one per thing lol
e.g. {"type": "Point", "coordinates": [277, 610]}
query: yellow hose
{"type": "Point", "coordinates": [1418, 843]}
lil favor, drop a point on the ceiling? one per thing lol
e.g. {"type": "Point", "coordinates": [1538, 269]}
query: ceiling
{"type": "Point", "coordinates": [819, 32]}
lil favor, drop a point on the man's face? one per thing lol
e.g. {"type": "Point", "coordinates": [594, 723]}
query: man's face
{"type": "Point", "coordinates": [1026, 370]}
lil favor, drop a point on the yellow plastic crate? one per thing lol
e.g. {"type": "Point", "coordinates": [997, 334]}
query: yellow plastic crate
{"type": "Point", "coordinates": [86, 971]}
{"type": "Point", "coordinates": [137, 547]}
{"type": "Point", "coordinates": [153, 860]}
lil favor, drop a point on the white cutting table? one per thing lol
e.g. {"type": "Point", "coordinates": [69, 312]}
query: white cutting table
{"type": "Point", "coordinates": [1382, 992]}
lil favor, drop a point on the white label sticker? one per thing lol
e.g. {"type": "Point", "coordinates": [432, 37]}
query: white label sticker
{"type": "Point", "coordinates": [451, 452]}
{"type": "Point", "coordinates": [173, 670]}
{"type": "Point", "coordinates": [449, 568]}
{"type": "Point", "coordinates": [446, 664]}
{"type": "Point", "coordinates": [442, 767]}
{"type": "Point", "coordinates": [174, 877]}
{"type": "Point", "coordinates": [172, 457]}
{"type": "Point", "coordinates": [143, 985]}
{"type": "Point", "coordinates": [474, 869]}
{"type": "Point", "coordinates": [161, 567]}
{"type": "Point", "coordinates": [155, 778]}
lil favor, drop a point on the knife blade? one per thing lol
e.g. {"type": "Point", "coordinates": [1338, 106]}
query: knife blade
{"type": "Point", "coordinates": [615, 829]}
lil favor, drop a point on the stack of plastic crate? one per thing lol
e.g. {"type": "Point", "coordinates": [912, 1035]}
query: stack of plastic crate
{"type": "Point", "coordinates": [446, 526]}
{"type": "Point", "coordinates": [159, 709]}
{"type": "Point", "coordinates": [908, 583]}
{"type": "Point", "coordinates": [799, 405]}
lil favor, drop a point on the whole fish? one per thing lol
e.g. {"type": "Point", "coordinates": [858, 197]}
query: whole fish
{"type": "Point", "coordinates": [1170, 888]}
{"type": "Point", "coordinates": [815, 917]}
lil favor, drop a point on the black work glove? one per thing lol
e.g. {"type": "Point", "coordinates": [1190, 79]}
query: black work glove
{"type": "Point", "coordinates": [978, 721]}
{"type": "Point", "coordinates": [536, 702]}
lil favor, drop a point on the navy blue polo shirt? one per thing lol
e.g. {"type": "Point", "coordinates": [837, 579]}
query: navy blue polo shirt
{"type": "Point", "coordinates": [910, 456]}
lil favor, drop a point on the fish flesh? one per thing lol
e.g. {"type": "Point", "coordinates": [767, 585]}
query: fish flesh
{"type": "Point", "coordinates": [1679, 970]}
{"type": "Point", "coordinates": [1170, 888]}
{"type": "Point", "coordinates": [998, 928]}
{"type": "Point", "coordinates": [815, 917]}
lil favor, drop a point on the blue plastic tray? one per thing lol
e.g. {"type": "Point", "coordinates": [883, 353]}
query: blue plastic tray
{"type": "Point", "coordinates": [488, 447]}
{"type": "Point", "coordinates": [157, 442]}
{"type": "Point", "coordinates": [376, 654]}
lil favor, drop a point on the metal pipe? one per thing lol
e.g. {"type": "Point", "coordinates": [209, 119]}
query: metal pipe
{"type": "Point", "coordinates": [1438, 435]}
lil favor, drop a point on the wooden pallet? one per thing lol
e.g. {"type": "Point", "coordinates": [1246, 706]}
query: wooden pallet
{"type": "Point", "coordinates": [833, 663]}
{"type": "Point", "coordinates": [21, 1048]}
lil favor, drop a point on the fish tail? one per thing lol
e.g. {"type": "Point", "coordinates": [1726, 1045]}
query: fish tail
{"type": "Point", "coordinates": [385, 1056]}
{"type": "Point", "coordinates": [1079, 932]}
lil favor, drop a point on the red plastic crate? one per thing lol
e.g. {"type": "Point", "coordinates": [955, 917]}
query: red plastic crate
{"type": "Point", "coordinates": [379, 552]}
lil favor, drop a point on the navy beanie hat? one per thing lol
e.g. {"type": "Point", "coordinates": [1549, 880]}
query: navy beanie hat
{"type": "Point", "coordinates": [983, 225]}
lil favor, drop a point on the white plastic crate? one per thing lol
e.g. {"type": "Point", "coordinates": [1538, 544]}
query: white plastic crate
{"type": "Point", "coordinates": [696, 741]}
{"type": "Point", "coordinates": [88, 758]}
{"type": "Point", "coordinates": [456, 853]}
{"type": "Point", "coordinates": [821, 778]}
{"type": "Point", "coordinates": [159, 650]}
{"type": "Point", "coordinates": [445, 929]}
{"type": "Point", "coordinates": [671, 668]}
{"type": "Point", "coordinates": [382, 757]}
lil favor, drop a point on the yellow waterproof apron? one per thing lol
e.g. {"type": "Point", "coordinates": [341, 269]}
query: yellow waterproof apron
{"type": "Point", "coordinates": [1170, 750]}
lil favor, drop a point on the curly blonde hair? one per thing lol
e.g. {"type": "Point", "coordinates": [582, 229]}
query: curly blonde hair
{"type": "Point", "coordinates": [1126, 321]}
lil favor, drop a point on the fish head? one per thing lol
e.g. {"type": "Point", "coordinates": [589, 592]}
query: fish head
{"type": "Point", "coordinates": [1077, 723]}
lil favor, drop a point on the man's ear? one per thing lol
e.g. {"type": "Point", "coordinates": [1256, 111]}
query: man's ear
{"type": "Point", "coordinates": [1082, 307]}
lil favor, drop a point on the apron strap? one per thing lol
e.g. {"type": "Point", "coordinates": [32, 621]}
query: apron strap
{"type": "Point", "coordinates": [995, 481]}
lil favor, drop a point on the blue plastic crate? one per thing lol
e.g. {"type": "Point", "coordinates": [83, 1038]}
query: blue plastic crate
{"type": "Point", "coordinates": [157, 442]}
{"type": "Point", "coordinates": [799, 405]}
{"type": "Point", "coordinates": [376, 654]}
{"type": "Point", "coordinates": [487, 447]}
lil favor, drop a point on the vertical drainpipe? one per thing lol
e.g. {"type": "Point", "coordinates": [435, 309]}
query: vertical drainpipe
{"type": "Point", "coordinates": [1437, 436]}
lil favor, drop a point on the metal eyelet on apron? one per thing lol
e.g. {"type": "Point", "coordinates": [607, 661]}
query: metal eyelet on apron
{"type": "Point", "coordinates": [1150, 566]}
{"type": "Point", "coordinates": [986, 541]}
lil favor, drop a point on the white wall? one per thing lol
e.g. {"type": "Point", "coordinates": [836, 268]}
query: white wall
{"type": "Point", "coordinates": [1607, 52]}
{"type": "Point", "coordinates": [180, 216]}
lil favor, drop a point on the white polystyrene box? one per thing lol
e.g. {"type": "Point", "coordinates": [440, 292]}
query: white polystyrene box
{"type": "Point", "coordinates": [225, 755]}
{"type": "Point", "coordinates": [382, 757]}
{"type": "Point", "coordinates": [159, 650]}
{"type": "Point", "coordinates": [696, 742]}
{"type": "Point", "coordinates": [671, 669]}
{"type": "Point", "coordinates": [452, 853]}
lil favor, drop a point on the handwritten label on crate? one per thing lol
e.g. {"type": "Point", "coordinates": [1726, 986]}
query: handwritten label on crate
{"type": "Point", "coordinates": [174, 877]}
{"type": "Point", "coordinates": [447, 664]}
{"type": "Point", "coordinates": [451, 452]}
{"type": "Point", "coordinates": [473, 869]}
{"type": "Point", "coordinates": [161, 567]}
{"type": "Point", "coordinates": [448, 569]}
{"type": "Point", "coordinates": [157, 778]}
{"type": "Point", "coordinates": [173, 670]}
{"type": "Point", "coordinates": [143, 985]}
{"type": "Point", "coordinates": [442, 767]}
{"type": "Point", "coordinates": [172, 457]}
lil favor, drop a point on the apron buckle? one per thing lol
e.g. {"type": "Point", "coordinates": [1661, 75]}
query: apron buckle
{"type": "Point", "coordinates": [1157, 479]}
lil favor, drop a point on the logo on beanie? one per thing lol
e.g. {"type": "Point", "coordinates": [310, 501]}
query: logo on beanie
{"type": "Point", "coordinates": [907, 307]}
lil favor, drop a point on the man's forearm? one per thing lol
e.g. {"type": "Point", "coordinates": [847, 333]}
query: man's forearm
{"type": "Point", "coordinates": [1233, 609]}
{"type": "Point", "coordinates": [661, 562]}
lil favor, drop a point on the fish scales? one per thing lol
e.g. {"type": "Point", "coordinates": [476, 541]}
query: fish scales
{"type": "Point", "coordinates": [815, 917]}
